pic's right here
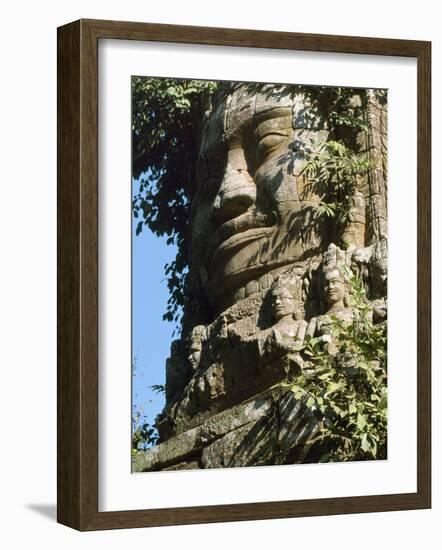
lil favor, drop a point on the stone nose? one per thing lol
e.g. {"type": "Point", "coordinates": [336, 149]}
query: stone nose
{"type": "Point", "coordinates": [237, 193]}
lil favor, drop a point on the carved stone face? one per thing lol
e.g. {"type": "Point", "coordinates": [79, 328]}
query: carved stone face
{"type": "Point", "coordinates": [334, 288]}
{"type": "Point", "coordinates": [194, 354]}
{"type": "Point", "coordinates": [283, 303]}
{"type": "Point", "coordinates": [196, 346]}
{"type": "Point", "coordinates": [252, 211]}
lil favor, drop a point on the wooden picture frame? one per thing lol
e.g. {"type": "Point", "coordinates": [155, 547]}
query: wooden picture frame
{"type": "Point", "coordinates": [78, 274]}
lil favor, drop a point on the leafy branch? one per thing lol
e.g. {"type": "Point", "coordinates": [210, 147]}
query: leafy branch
{"type": "Point", "coordinates": [144, 435]}
{"type": "Point", "coordinates": [332, 170]}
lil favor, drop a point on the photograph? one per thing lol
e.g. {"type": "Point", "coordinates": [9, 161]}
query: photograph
{"type": "Point", "coordinates": [259, 263]}
{"type": "Point", "coordinates": [217, 292]}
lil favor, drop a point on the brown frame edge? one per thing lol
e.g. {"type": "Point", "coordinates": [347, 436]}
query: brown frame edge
{"type": "Point", "coordinates": [77, 275]}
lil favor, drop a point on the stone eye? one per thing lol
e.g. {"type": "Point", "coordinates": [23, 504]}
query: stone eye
{"type": "Point", "coordinates": [270, 143]}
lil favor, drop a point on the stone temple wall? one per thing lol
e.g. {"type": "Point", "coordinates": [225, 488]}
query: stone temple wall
{"type": "Point", "coordinates": [268, 272]}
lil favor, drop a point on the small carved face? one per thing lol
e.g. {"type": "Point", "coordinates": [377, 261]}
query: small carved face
{"type": "Point", "coordinates": [194, 354]}
{"type": "Point", "coordinates": [283, 303]}
{"type": "Point", "coordinates": [334, 288]}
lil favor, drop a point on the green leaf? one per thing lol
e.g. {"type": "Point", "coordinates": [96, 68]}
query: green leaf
{"type": "Point", "coordinates": [361, 422]}
{"type": "Point", "coordinates": [310, 402]}
{"type": "Point", "coordinates": [364, 443]}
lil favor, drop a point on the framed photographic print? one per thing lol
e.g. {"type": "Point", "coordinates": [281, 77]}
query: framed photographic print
{"type": "Point", "coordinates": [241, 217]}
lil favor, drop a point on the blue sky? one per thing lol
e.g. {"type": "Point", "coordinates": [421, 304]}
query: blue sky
{"type": "Point", "coordinates": [151, 336]}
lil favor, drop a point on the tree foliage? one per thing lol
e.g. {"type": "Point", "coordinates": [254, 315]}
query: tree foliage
{"type": "Point", "coordinates": [332, 168]}
{"type": "Point", "coordinates": [144, 435]}
{"type": "Point", "coordinates": [164, 151]}
{"type": "Point", "coordinates": [335, 168]}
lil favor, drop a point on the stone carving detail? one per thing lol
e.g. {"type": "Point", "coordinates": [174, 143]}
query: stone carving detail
{"type": "Point", "coordinates": [196, 345]}
{"type": "Point", "coordinates": [267, 274]}
{"type": "Point", "coordinates": [287, 310]}
{"type": "Point", "coordinates": [334, 294]}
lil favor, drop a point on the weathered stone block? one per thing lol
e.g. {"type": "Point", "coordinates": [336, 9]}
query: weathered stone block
{"type": "Point", "coordinates": [298, 425]}
{"type": "Point", "coordinates": [187, 444]}
{"type": "Point", "coordinates": [251, 445]}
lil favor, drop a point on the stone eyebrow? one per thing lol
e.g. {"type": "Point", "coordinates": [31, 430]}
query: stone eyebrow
{"type": "Point", "coordinates": [274, 121]}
